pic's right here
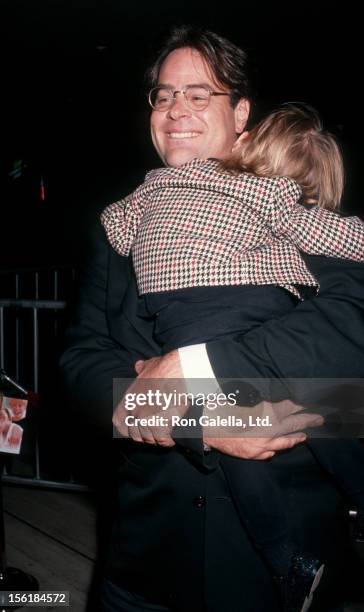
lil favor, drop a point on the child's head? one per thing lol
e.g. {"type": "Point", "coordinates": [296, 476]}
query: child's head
{"type": "Point", "coordinates": [291, 142]}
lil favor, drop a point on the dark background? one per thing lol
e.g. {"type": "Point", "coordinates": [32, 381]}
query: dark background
{"type": "Point", "coordinates": [74, 106]}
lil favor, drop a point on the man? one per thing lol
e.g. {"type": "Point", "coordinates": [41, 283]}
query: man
{"type": "Point", "coordinates": [178, 544]}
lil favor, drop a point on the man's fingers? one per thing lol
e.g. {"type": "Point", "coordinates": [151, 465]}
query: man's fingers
{"type": "Point", "coordinates": [139, 366]}
{"type": "Point", "coordinates": [134, 434]}
{"type": "Point", "coordinates": [298, 422]}
{"type": "Point", "coordinates": [146, 435]}
{"type": "Point", "coordinates": [283, 408]}
{"type": "Point", "coordinates": [162, 436]}
{"type": "Point", "coordinates": [156, 435]}
{"type": "Point", "coordinates": [120, 425]}
{"type": "Point", "coordinates": [285, 442]}
{"type": "Point", "coordinates": [167, 442]}
{"type": "Point", "coordinates": [266, 455]}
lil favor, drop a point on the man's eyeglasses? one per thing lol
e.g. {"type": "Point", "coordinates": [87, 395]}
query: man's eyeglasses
{"type": "Point", "coordinates": [197, 97]}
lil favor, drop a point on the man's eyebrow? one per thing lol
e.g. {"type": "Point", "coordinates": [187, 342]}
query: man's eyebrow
{"type": "Point", "coordinates": [170, 86]}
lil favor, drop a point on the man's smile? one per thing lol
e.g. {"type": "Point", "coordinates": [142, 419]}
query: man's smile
{"type": "Point", "coordinates": [179, 135]}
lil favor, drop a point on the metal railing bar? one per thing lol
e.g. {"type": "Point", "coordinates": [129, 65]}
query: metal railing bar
{"type": "Point", "coordinates": [56, 285]}
{"type": "Point", "coordinates": [50, 304]}
{"type": "Point", "coordinates": [52, 484]}
{"type": "Point", "coordinates": [36, 285]}
{"type": "Point", "coordinates": [36, 382]}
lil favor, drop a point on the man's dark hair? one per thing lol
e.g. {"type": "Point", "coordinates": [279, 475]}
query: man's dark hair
{"type": "Point", "coordinates": [228, 63]}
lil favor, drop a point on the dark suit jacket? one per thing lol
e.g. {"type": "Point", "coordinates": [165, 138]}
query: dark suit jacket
{"type": "Point", "coordinates": [177, 537]}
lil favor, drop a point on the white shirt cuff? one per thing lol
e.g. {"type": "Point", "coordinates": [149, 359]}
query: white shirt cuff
{"type": "Point", "coordinates": [195, 364]}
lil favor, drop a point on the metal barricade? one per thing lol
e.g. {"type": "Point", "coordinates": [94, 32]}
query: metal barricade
{"type": "Point", "coordinates": [32, 325]}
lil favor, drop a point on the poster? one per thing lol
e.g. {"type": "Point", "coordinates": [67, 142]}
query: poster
{"type": "Point", "coordinates": [12, 410]}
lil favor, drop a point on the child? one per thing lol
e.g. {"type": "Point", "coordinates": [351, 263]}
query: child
{"type": "Point", "coordinates": [216, 251]}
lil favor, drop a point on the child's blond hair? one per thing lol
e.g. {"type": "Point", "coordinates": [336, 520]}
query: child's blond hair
{"type": "Point", "coordinates": [291, 142]}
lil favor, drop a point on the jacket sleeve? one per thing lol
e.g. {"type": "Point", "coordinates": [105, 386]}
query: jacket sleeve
{"type": "Point", "coordinates": [121, 220]}
{"type": "Point", "coordinates": [314, 230]}
{"type": "Point", "coordinates": [92, 358]}
{"type": "Point", "coordinates": [322, 337]}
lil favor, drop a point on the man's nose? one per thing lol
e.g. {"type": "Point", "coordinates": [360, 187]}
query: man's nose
{"type": "Point", "coordinates": [179, 107]}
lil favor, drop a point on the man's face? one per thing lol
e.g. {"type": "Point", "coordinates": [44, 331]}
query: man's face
{"type": "Point", "coordinates": [181, 134]}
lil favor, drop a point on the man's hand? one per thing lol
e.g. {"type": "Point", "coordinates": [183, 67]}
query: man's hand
{"type": "Point", "coordinates": [168, 366]}
{"type": "Point", "coordinates": [286, 418]}
{"type": "Point", "coordinates": [285, 431]}
{"type": "Point", "coordinates": [168, 372]}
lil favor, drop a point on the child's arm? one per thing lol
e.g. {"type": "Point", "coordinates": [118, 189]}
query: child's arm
{"type": "Point", "coordinates": [316, 231]}
{"type": "Point", "coordinates": [121, 220]}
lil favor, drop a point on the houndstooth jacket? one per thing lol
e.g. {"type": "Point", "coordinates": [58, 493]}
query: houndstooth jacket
{"type": "Point", "coordinates": [197, 226]}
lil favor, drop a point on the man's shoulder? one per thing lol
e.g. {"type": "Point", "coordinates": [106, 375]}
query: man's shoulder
{"type": "Point", "coordinates": [100, 255]}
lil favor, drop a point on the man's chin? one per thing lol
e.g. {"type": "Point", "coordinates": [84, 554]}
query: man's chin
{"type": "Point", "coordinates": [177, 157]}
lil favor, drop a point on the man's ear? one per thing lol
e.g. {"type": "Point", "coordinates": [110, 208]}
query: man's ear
{"type": "Point", "coordinates": [241, 113]}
